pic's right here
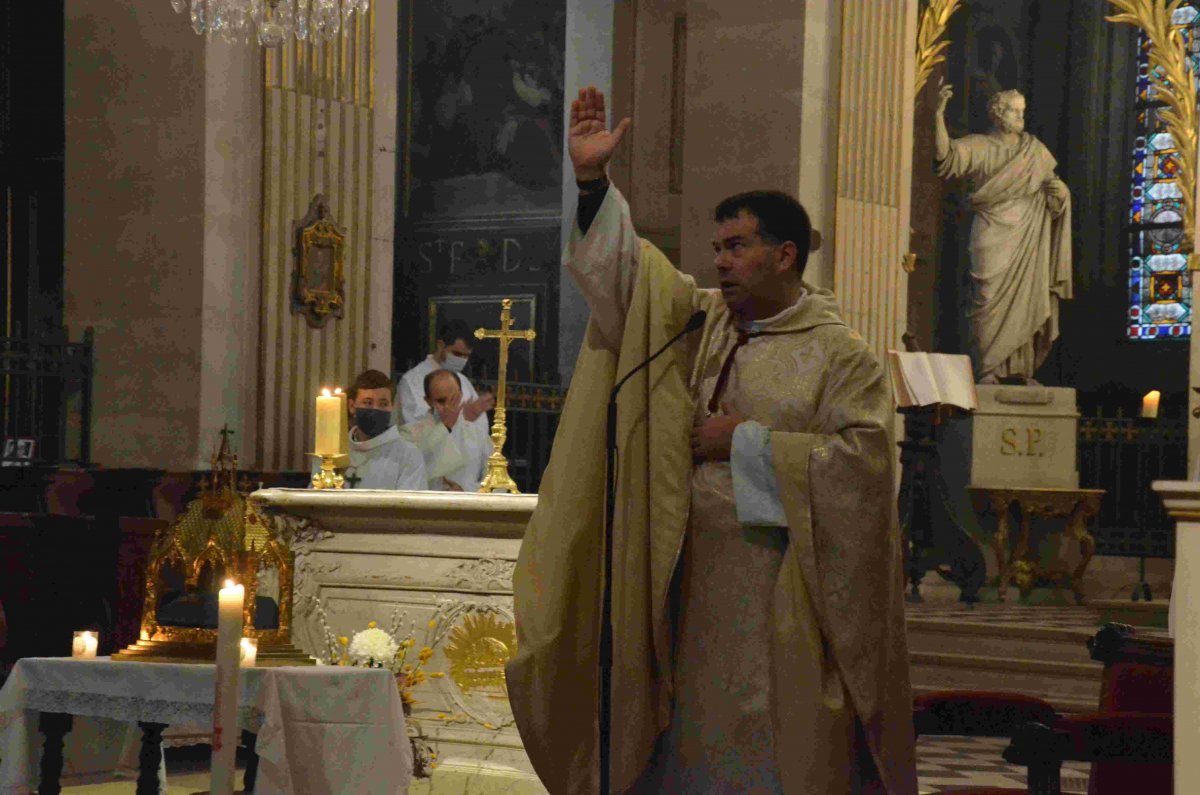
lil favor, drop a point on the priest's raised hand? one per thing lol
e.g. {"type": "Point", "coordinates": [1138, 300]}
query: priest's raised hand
{"type": "Point", "coordinates": [589, 141]}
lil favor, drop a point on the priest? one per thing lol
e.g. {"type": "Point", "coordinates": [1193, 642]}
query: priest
{"type": "Point", "coordinates": [759, 640]}
{"type": "Point", "coordinates": [455, 450]}
{"type": "Point", "coordinates": [452, 353]}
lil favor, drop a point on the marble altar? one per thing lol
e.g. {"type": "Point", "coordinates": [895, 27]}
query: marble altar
{"type": "Point", "coordinates": [445, 560]}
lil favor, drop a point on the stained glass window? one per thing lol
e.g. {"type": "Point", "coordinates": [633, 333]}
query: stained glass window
{"type": "Point", "coordinates": [1160, 286]}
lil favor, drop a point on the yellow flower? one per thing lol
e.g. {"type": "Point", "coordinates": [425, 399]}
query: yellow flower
{"type": "Point", "coordinates": [344, 640]}
{"type": "Point", "coordinates": [437, 674]}
{"type": "Point", "coordinates": [425, 654]}
{"type": "Point", "coordinates": [407, 697]}
{"type": "Point", "coordinates": [371, 625]}
{"type": "Point", "coordinates": [406, 669]}
{"type": "Point", "coordinates": [408, 643]}
{"type": "Point", "coordinates": [442, 716]}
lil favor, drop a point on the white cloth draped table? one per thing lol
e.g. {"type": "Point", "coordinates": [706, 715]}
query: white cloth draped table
{"type": "Point", "coordinates": [321, 729]}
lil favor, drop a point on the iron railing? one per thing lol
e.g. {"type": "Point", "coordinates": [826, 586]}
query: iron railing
{"type": "Point", "coordinates": [46, 400]}
{"type": "Point", "coordinates": [1123, 456]}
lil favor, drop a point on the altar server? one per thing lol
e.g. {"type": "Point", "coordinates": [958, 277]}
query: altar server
{"type": "Point", "coordinates": [379, 457]}
{"type": "Point", "coordinates": [452, 353]}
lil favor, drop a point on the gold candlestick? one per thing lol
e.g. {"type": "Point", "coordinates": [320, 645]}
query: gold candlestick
{"type": "Point", "coordinates": [327, 478]}
{"type": "Point", "coordinates": [497, 477]}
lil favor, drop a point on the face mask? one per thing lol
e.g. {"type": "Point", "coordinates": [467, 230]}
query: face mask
{"type": "Point", "coordinates": [454, 362]}
{"type": "Point", "coordinates": [372, 422]}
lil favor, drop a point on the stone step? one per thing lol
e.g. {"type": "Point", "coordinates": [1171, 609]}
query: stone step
{"type": "Point", "coordinates": [1015, 641]}
{"type": "Point", "coordinates": [1069, 686]}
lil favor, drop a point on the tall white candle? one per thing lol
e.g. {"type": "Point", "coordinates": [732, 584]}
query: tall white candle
{"type": "Point", "coordinates": [231, 602]}
{"type": "Point", "coordinates": [329, 423]}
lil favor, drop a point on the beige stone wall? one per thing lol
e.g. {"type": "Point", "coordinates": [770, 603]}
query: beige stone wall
{"type": "Point", "coordinates": [134, 250]}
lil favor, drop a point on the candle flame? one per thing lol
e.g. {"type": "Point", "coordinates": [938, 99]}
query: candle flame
{"type": "Point", "coordinates": [325, 392]}
{"type": "Point", "coordinates": [229, 583]}
{"type": "Point", "coordinates": [337, 390]}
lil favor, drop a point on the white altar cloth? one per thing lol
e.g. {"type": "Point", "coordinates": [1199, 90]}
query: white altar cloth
{"type": "Point", "coordinates": [321, 730]}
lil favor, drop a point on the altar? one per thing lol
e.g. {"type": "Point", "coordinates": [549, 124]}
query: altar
{"type": "Point", "coordinates": [441, 564]}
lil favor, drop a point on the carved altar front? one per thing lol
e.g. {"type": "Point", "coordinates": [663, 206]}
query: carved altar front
{"type": "Point", "coordinates": [445, 560]}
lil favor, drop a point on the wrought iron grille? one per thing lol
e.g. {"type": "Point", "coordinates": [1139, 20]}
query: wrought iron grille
{"type": "Point", "coordinates": [1123, 456]}
{"type": "Point", "coordinates": [46, 391]}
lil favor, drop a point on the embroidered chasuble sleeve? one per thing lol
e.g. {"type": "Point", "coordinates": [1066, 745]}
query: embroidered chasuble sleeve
{"type": "Point", "coordinates": [837, 486]}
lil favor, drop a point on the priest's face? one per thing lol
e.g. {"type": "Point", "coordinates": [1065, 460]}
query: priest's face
{"type": "Point", "coordinates": [754, 274]}
{"type": "Point", "coordinates": [445, 397]}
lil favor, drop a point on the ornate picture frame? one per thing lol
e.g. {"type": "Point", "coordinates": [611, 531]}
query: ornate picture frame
{"type": "Point", "coordinates": [319, 275]}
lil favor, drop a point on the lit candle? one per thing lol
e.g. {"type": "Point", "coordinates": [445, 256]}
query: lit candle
{"type": "Point", "coordinates": [83, 647]}
{"type": "Point", "coordinates": [1150, 404]}
{"type": "Point", "coordinates": [330, 410]}
{"type": "Point", "coordinates": [249, 652]}
{"type": "Point", "coordinates": [230, 604]}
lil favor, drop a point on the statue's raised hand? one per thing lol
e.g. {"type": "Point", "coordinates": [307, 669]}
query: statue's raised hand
{"type": "Point", "coordinates": [590, 142]}
{"type": "Point", "coordinates": [945, 92]}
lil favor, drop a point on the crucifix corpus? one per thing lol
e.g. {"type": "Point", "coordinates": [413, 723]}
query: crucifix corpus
{"type": "Point", "coordinates": [497, 477]}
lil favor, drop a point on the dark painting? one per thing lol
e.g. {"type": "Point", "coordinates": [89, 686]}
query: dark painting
{"type": "Point", "coordinates": [483, 122]}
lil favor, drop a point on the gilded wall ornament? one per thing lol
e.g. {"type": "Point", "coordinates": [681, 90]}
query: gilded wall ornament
{"type": "Point", "coordinates": [930, 43]}
{"type": "Point", "coordinates": [319, 277]}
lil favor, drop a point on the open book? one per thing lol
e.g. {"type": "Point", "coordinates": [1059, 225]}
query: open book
{"type": "Point", "coordinates": [925, 379]}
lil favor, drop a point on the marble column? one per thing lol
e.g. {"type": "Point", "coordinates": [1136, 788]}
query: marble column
{"type": "Point", "coordinates": [588, 61]}
{"type": "Point", "coordinates": [874, 167]}
{"type": "Point", "coordinates": [1182, 500]}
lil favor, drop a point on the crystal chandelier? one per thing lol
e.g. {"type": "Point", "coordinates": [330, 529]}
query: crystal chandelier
{"type": "Point", "coordinates": [272, 20]}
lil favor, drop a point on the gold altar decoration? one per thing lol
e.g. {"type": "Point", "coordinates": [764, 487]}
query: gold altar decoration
{"type": "Point", "coordinates": [1170, 71]}
{"type": "Point", "coordinates": [478, 649]}
{"type": "Point", "coordinates": [930, 44]}
{"type": "Point", "coordinates": [327, 478]}
{"type": "Point", "coordinates": [497, 477]}
{"type": "Point", "coordinates": [218, 536]}
{"type": "Point", "coordinates": [319, 277]}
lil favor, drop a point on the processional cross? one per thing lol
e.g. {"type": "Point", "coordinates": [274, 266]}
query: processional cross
{"type": "Point", "coordinates": [497, 477]}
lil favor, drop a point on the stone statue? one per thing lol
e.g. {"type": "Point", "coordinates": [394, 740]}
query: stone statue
{"type": "Point", "coordinates": [1020, 238]}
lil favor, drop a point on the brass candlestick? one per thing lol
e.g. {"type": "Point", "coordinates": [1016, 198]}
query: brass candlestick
{"type": "Point", "coordinates": [327, 478]}
{"type": "Point", "coordinates": [497, 477]}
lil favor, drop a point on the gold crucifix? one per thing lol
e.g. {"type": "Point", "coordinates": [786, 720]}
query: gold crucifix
{"type": "Point", "coordinates": [497, 477]}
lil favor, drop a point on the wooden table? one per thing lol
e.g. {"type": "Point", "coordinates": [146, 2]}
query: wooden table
{"type": "Point", "coordinates": [1018, 565]}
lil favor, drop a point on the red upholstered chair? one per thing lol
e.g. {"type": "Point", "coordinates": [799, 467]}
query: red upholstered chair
{"type": "Point", "coordinates": [978, 713]}
{"type": "Point", "coordinates": [1137, 679]}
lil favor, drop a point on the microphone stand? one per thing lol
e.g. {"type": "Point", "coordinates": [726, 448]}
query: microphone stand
{"type": "Point", "coordinates": [610, 501]}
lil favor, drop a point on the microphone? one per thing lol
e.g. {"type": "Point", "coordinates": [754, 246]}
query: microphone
{"type": "Point", "coordinates": [696, 321]}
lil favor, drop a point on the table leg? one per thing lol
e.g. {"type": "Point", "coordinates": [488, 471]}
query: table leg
{"type": "Point", "coordinates": [54, 727]}
{"type": "Point", "coordinates": [1000, 546]}
{"type": "Point", "coordinates": [1077, 525]}
{"type": "Point", "coordinates": [250, 739]}
{"type": "Point", "coordinates": [149, 758]}
{"type": "Point", "coordinates": [1027, 570]}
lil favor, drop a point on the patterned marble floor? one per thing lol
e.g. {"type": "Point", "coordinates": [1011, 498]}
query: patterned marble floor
{"type": "Point", "coordinates": [945, 762]}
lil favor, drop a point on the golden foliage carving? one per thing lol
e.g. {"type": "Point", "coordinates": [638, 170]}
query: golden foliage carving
{"type": "Point", "coordinates": [930, 44]}
{"type": "Point", "coordinates": [1170, 69]}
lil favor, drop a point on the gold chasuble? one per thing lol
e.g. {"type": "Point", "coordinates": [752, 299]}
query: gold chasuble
{"type": "Point", "coordinates": [812, 676]}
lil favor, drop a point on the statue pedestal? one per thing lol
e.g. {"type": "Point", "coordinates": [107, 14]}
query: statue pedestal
{"type": "Point", "coordinates": [1020, 437]}
{"type": "Point", "coordinates": [446, 561]}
